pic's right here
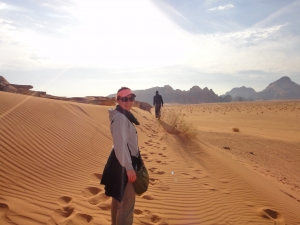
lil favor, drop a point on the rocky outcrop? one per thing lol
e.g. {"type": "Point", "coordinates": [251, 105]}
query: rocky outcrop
{"type": "Point", "coordinates": [243, 92]}
{"type": "Point", "coordinates": [10, 88]}
{"type": "Point", "coordinates": [284, 88]}
{"type": "Point", "coordinates": [3, 82]}
{"type": "Point", "coordinates": [15, 88]}
{"type": "Point", "coordinates": [6, 86]}
{"type": "Point", "coordinates": [96, 100]}
{"type": "Point", "coordinates": [25, 87]}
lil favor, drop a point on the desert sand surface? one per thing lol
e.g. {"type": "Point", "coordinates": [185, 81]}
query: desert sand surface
{"type": "Point", "coordinates": [53, 153]}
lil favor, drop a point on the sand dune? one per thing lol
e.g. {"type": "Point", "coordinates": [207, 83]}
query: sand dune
{"type": "Point", "coordinates": [53, 153]}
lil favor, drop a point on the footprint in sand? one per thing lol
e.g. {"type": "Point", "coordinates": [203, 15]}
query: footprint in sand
{"type": "Point", "coordinates": [64, 200]}
{"type": "Point", "coordinates": [105, 205]}
{"type": "Point", "coordinates": [137, 212]}
{"type": "Point", "coordinates": [4, 210]}
{"type": "Point", "coordinates": [94, 195]}
{"type": "Point", "coordinates": [96, 177]}
{"type": "Point", "coordinates": [90, 192]}
{"type": "Point", "coordinates": [146, 217]}
{"type": "Point", "coordinates": [154, 181]}
{"type": "Point", "coordinates": [161, 162]}
{"type": "Point", "coordinates": [162, 155]}
{"type": "Point", "coordinates": [63, 213]}
{"type": "Point", "coordinates": [147, 196]}
{"type": "Point", "coordinates": [209, 187]}
{"type": "Point", "coordinates": [200, 174]}
{"type": "Point", "coordinates": [159, 184]}
{"type": "Point", "coordinates": [271, 215]}
{"type": "Point", "coordinates": [146, 158]}
{"type": "Point", "coordinates": [144, 155]}
{"type": "Point", "coordinates": [156, 171]}
{"type": "Point", "coordinates": [197, 171]}
{"type": "Point", "coordinates": [190, 176]}
{"type": "Point", "coordinates": [147, 143]}
{"type": "Point", "coordinates": [81, 218]}
{"type": "Point", "coordinates": [69, 213]}
{"type": "Point", "coordinates": [98, 199]}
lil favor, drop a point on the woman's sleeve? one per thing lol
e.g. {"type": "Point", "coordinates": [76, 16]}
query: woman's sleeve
{"type": "Point", "coordinates": [120, 132]}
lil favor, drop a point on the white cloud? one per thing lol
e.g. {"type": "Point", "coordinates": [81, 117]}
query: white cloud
{"type": "Point", "coordinates": [2, 5]}
{"type": "Point", "coordinates": [251, 49]}
{"type": "Point", "coordinates": [135, 37]}
{"type": "Point", "coordinates": [255, 35]}
{"type": "Point", "coordinates": [229, 6]}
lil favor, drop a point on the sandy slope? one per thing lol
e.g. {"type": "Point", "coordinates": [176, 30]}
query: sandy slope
{"type": "Point", "coordinates": [53, 154]}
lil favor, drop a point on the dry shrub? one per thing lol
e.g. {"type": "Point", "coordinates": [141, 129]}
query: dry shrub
{"type": "Point", "coordinates": [236, 129]}
{"type": "Point", "coordinates": [174, 122]}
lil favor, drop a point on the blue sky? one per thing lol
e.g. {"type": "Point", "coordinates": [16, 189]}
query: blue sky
{"type": "Point", "coordinates": [93, 47]}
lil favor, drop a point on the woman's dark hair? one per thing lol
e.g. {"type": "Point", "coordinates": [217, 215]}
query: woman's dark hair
{"type": "Point", "coordinates": [122, 88]}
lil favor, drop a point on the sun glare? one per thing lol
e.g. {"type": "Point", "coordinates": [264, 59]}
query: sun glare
{"type": "Point", "coordinates": [113, 33]}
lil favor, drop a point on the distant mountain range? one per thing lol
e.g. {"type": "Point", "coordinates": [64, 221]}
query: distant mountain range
{"type": "Point", "coordinates": [243, 92]}
{"type": "Point", "coordinates": [284, 88]}
{"type": "Point", "coordinates": [192, 96]}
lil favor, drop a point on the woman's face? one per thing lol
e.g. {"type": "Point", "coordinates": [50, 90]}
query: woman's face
{"type": "Point", "coordinates": [126, 105]}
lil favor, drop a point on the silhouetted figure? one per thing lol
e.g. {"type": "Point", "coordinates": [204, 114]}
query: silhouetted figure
{"type": "Point", "coordinates": [157, 103]}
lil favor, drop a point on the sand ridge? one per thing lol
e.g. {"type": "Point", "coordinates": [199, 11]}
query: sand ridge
{"type": "Point", "coordinates": [53, 153]}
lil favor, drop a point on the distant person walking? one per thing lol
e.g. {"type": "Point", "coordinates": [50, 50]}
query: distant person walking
{"type": "Point", "coordinates": [157, 103]}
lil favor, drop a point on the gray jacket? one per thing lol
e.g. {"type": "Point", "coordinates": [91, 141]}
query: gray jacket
{"type": "Point", "coordinates": [124, 137]}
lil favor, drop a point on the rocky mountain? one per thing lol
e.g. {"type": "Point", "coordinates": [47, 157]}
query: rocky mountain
{"type": "Point", "coordinates": [243, 92]}
{"type": "Point", "coordinates": [16, 88]}
{"type": "Point", "coordinates": [192, 96]}
{"type": "Point", "coordinates": [284, 88]}
{"type": "Point", "coordinates": [225, 98]}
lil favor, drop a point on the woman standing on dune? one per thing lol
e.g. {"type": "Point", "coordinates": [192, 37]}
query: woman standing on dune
{"type": "Point", "coordinates": [119, 173]}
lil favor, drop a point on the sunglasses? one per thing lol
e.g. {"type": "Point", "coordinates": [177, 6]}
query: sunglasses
{"type": "Point", "coordinates": [125, 99]}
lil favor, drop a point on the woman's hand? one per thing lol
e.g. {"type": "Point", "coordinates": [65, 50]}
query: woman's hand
{"type": "Point", "coordinates": [131, 176]}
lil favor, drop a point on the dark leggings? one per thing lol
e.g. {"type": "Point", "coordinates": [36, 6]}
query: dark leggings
{"type": "Point", "coordinates": [157, 110]}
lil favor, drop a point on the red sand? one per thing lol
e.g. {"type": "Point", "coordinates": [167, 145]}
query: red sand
{"type": "Point", "coordinates": [53, 153]}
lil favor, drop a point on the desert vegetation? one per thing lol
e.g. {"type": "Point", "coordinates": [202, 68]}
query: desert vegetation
{"type": "Point", "coordinates": [174, 122]}
{"type": "Point", "coordinates": [235, 129]}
